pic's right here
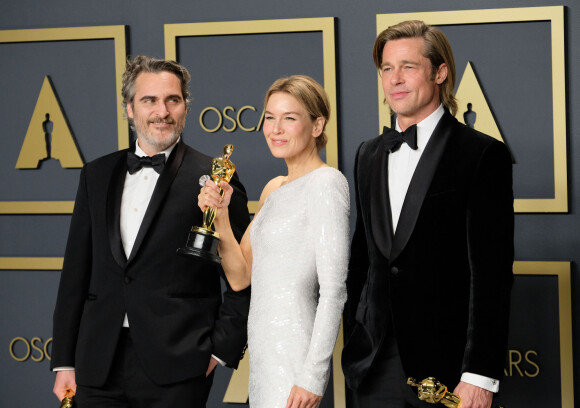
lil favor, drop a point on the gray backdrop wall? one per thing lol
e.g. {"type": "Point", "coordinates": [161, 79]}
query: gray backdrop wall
{"type": "Point", "coordinates": [513, 66]}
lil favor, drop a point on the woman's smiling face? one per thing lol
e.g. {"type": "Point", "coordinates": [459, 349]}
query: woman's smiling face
{"type": "Point", "coordinates": [289, 130]}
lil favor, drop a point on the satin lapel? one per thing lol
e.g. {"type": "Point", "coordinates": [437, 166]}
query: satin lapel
{"type": "Point", "coordinates": [380, 213]}
{"type": "Point", "coordinates": [114, 196]}
{"type": "Point", "coordinates": [420, 184]}
{"type": "Point", "coordinates": [161, 188]}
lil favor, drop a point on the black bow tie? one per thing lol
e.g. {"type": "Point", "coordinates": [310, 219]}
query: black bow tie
{"type": "Point", "coordinates": [136, 163]}
{"type": "Point", "coordinates": [393, 139]}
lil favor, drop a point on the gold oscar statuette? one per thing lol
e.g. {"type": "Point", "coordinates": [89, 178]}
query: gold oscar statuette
{"type": "Point", "coordinates": [432, 391]}
{"type": "Point", "coordinates": [203, 241]}
{"type": "Point", "coordinates": [67, 401]}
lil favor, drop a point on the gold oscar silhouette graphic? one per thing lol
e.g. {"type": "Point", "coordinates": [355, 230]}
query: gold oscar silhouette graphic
{"type": "Point", "coordinates": [48, 135]}
{"type": "Point", "coordinates": [203, 241]}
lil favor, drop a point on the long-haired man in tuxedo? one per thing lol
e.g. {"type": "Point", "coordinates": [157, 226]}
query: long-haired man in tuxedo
{"type": "Point", "coordinates": [431, 263]}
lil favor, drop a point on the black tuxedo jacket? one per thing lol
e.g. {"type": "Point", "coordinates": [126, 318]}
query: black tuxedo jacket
{"type": "Point", "coordinates": [441, 283]}
{"type": "Point", "coordinates": [174, 303]}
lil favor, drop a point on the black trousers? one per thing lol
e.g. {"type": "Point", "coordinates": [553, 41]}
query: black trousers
{"type": "Point", "coordinates": [385, 386]}
{"type": "Point", "coordinates": [127, 386]}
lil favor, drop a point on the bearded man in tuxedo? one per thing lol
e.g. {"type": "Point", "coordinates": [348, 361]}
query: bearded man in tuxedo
{"type": "Point", "coordinates": [432, 253]}
{"type": "Point", "coordinates": [135, 324]}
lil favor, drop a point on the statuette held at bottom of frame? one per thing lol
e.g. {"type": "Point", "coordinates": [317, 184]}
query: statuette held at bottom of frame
{"type": "Point", "coordinates": [68, 401]}
{"type": "Point", "coordinates": [432, 391]}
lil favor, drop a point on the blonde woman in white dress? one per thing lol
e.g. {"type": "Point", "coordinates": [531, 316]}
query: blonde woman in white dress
{"type": "Point", "coordinates": [294, 253]}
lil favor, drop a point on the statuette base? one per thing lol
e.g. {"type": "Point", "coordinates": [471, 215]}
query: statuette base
{"type": "Point", "coordinates": [202, 243]}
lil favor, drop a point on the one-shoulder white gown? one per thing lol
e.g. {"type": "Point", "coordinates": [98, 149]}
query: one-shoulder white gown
{"type": "Point", "coordinates": [300, 254]}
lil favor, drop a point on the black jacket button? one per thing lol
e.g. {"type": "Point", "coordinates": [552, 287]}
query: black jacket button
{"type": "Point", "coordinates": [394, 271]}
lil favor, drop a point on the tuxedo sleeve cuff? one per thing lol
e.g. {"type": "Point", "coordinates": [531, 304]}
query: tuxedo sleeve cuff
{"type": "Point", "coordinates": [222, 363]}
{"type": "Point", "coordinates": [490, 384]}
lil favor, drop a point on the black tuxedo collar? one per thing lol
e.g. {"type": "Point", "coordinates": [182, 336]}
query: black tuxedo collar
{"type": "Point", "coordinates": [161, 188]}
{"type": "Point", "coordinates": [115, 195]}
{"type": "Point", "coordinates": [380, 207]}
{"type": "Point", "coordinates": [420, 183]}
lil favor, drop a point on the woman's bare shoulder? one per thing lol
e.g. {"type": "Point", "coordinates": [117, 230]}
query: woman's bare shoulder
{"type": "Point", "coordinates": [272, 185]}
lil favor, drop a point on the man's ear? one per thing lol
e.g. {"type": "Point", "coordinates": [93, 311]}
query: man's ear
{"type": "Point", "coordinates": [130, 110]}
{"type": "Point", "coordinates": [441, 74]}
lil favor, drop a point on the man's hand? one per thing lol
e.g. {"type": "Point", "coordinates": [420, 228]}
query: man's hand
{"type": "Point", "coordinates": [212, 363]}
{"type": "Point", "coordinates": [65, 381]}
{"type": "Point", "coordinates": [473, 396]}
{"type": "Point", "coordinates": [301, 398]}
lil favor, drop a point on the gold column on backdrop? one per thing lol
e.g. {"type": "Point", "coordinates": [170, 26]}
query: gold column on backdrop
{"type": "Point", "coordinates": [555, 15]}
{"type": "Point", "coordinates": [117, 34]}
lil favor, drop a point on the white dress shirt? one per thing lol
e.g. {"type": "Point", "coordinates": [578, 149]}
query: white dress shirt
{"type": "Point", "coordinates": [137, 193]}
{"type": "Point", "coordinates": [403, 162]}
{"type": "Point", "coordinates": [402, 165]}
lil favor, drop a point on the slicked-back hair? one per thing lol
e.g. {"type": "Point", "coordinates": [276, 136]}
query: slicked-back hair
{"type": "Point", "coordinates": [436, 49]}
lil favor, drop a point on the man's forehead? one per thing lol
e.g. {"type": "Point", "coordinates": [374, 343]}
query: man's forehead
{"type": "Point", "coordinates": [166, 76]}
{"type": "Point", "coordinates": [164, 80]}
{"type": "Point", "coordinates": [411, 43]}
{"type": "Point", "coordinates": [405, 47]}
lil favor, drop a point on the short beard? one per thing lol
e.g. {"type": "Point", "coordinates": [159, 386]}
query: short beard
{"type": "Point", "coordinates": [160, 145]}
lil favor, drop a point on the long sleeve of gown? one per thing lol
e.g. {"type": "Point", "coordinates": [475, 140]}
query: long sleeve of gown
{"type": "Point", "coordinates": [329, 210]}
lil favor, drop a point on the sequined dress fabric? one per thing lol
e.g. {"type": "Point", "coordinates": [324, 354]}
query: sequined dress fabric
{"type": "Point", "coordinates": [300, 254]}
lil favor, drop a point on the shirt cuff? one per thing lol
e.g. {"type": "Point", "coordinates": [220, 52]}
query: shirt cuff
{"type": "Point", "coordinates": [63, 369]}
{"type": "Point", "coordinates": [222, 363]}
{"type": "Point", "coordinates": [490, 384]}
